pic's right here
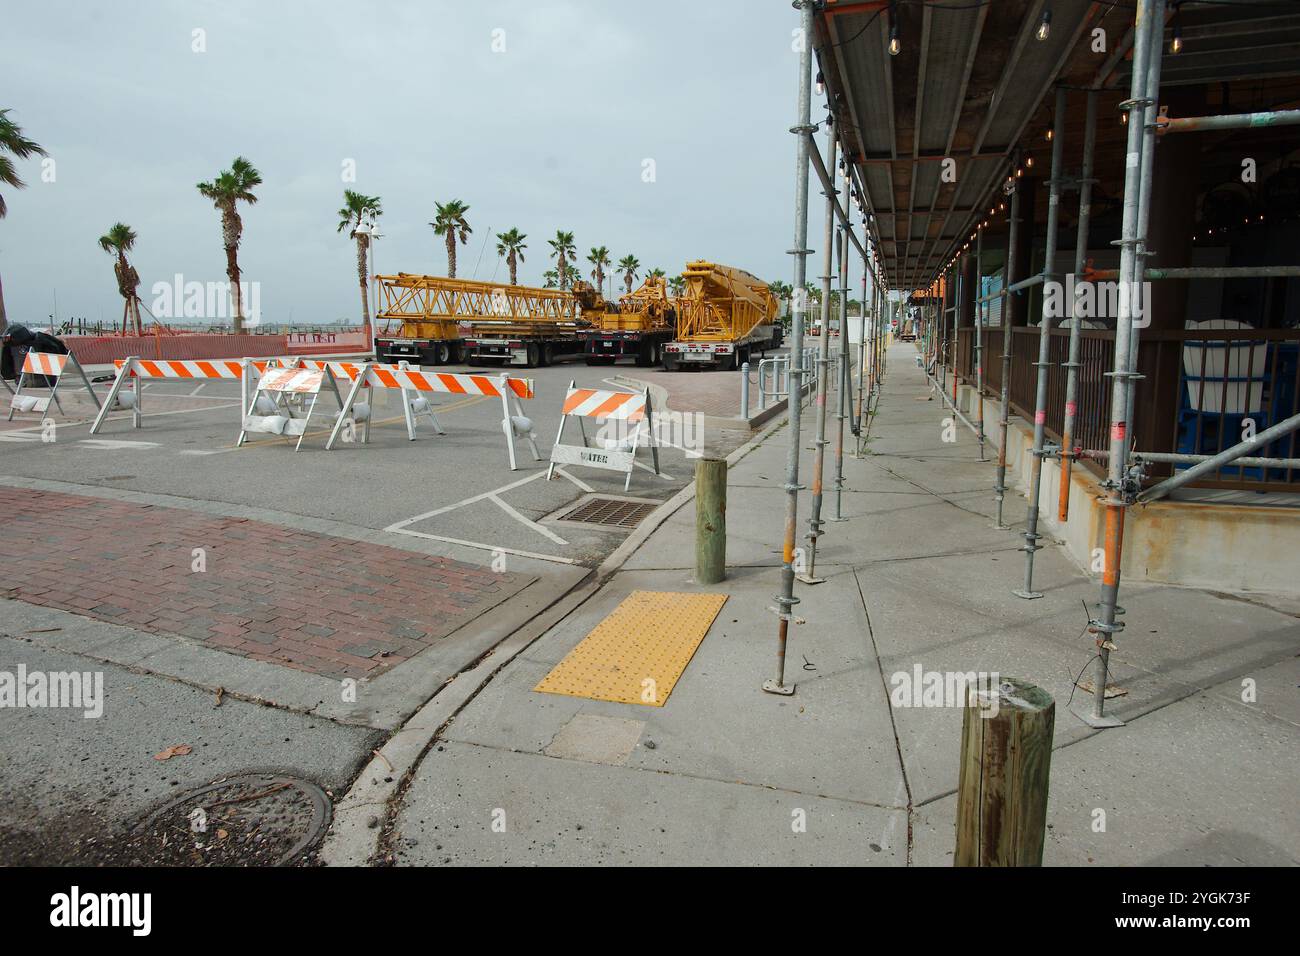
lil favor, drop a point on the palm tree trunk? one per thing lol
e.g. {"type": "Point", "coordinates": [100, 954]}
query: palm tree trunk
{"type": "Point", "coordinates": [510, 260]}
{"type": "Point", "coordinates": [451, 254]}
{"type": "Point", "coordinates": [4, 321]}
{"type": "Point", "coordinates": [361, 275]}
{"type": "Point", "coordinates": [564, 271]}
{"type": "Point", "coordinates": [236, 293]}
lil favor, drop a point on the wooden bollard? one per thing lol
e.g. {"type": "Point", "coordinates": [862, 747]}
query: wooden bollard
{"type": "Point", "coordinates": [710, 520]}
{"type": "Point", "coordinates": [1006, 757]}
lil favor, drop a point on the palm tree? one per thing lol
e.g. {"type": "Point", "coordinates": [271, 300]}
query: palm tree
{"type": "Point", "coordinates": [677, 285]}
{"type": "Point", "coordinates": [551, 279]}
{"type": "Point", "coordinates": [629, 265]}
{"type": "Point", "coordinates": [655, 273]}
{"type": "Point", "coordinates": [563, 251]}
{"type": "Point", "coordinates": [782, 291]}
{"type": "Point", "coordinates": [572, 274]}
{"type": "Point", "coordinates": [229, 188]}
{"type": "Point", "coordinates": [119, 241]}
{"type": "Point", "coordinates": [12, 143]}
{"type": "Point", "coordinates": [599, 258]}
{"type": "Point", "coordinates": [450, 223]}
{"type": "Point", "coordinates": [511, 245]}
{"type": "Point", "coordinates": [356, 209]}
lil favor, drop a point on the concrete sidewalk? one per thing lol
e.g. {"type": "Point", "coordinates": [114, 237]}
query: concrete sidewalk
{"type": "Point", "coordinates": [916, 577]}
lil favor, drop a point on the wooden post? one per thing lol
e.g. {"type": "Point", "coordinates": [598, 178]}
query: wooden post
{"type": "Point", "coordinates": [710, 520]}
{"type": "Point", "coordinates": [1006, 755]}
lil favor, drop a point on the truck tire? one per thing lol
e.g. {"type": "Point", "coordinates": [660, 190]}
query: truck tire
{"type": "Point", "coordinates": [670, 364]}
{"type": "Point", "coordinates": [442, 353]}
{"type": "Point", "coordinates": [533, 355]}
{"type": "Point", "coordinates": [548, 353]}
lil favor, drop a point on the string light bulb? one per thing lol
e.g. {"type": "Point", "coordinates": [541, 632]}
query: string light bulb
{"type": "Point", "coordinates": [1044, 25]}
{"type": "Point", "coordinates": [821, 83]}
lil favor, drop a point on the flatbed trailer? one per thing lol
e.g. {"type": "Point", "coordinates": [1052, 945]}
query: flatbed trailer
{"type": "Point", "coordinates": [451, 320]}
{"type": "Point", "coordinates": [725, 316]}
{"type": "Point", "coordinates": [639, 327]}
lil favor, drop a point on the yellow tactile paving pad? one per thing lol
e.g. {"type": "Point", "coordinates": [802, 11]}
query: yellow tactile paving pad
{"type": "Point", "coordinates": [637, 654]}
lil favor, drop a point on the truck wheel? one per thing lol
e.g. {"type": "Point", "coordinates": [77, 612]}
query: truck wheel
{"type": "Point", "coordinates": [548, 354]}
{"type": "Point", "coordinates": [670, 365]}
{"type": "Point", "coordinates": [656, 355]}
{"type": "Point", "coordinates": [643, 355]}
{"type": "Point", "coordinates": [442, 353]}
{"type": "Point", "coordinates": [533, 355]}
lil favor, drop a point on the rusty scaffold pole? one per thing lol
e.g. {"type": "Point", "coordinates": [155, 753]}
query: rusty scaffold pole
{"type": "Point", "coordinates": [785, 600]}
{"type": "Point", "coordinates": [979, 341]}
{"type": "Point", "coordinates": [1072, 364]}
{"type": "Point", "coordinates": [844, 380]}
{"type": "Point", "coordinates": [1120, 485]}
{"type": "Point", "coordinates": [1050, 275]}
{"type": "Point", "coordinates": [1004, 419]}
{"type": "Point", "coordinates": [823, 364]}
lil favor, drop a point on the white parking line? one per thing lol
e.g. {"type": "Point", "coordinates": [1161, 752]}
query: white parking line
{"type": "Point", "coordinates": [546, 532]}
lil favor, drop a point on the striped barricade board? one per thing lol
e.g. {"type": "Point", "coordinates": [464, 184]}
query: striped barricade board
{"type": "Point", "coordinates": [277, 402]}
{"type": "Point", "coordinates": [47, 365]}
{"type": "Point", "coordinates": [631, 408]}
{"type": "Point", "coordinates": [132, 373]}
{"type": "Point", "coordinates": [414, 383]}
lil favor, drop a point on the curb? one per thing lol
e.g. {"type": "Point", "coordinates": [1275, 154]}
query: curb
{"type": "Point", "coordinates": [368, 809]}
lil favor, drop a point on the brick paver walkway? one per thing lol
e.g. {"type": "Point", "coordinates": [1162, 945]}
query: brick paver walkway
{"type": "Point", "coordinates": [313, 602]}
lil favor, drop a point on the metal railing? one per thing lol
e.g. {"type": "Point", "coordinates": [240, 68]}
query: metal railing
{"type": "Point", "coordinates": [1201, 391]}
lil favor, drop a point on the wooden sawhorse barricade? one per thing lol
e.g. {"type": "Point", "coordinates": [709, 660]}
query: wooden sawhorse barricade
{"type": "Point", "coordinates": [50, 365]}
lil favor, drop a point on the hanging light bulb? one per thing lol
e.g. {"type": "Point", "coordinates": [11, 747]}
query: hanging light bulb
{"type": "Point", "coordinates": [1029, 162]}
{"type": "Point", "coordinates": [821, 83]}
{"type": "Point", "coordinates": [1049, 135]}
{"type": "Point", "coordinates": [1045, 25]}
{"type": "Point", "coordinates": [1176, 44]}
{"type": "Point", "coordinates": [894, 45]}
{"type": "Point", "coordinates": [1123, 118]}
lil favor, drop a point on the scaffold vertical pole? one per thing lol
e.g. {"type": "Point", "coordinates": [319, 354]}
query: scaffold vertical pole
{"type": "Point", "coordinates": [1004, 419]}
{"type": "Point", "coordinates": [844, 382]}
{"type": "Point", "coordinates": [785, 600]}
{"type": "Point", "coordinates": [823, 371]}
{"type": "Point", "coordinates": [979, 340]}
{"type": "Point", "coordinates": [1050, 276]}
{"type": "Point", "coordinates": [1080, 262]}
{"type": "Point", "coordinates": [1119, 485]}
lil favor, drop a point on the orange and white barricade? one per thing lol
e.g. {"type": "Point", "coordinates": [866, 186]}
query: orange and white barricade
{"type": "Point", "coordinates": [132, 373]}
{"type": "Point", "coordinates": [416, 384]}
{"type": "Point", "coordinates": [137, 371]}
{"type": "Point", "coordinates": [282, 392]}
{"type": "Point", "coordinates": [50, 365]}
{"type": "Point", "coordinates": [633, 413]}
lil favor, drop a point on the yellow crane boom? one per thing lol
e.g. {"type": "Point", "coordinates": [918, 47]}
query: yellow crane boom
{"type": "Point", "coordinates": [441, 318]}
{"type": "Point", "coordinates": [722, 315]}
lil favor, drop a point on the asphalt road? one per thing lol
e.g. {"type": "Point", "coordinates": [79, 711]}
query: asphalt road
{"type": "Point", "coordinates": [72, 786]}
{"type": "Point", "coordinates": [456, 486]}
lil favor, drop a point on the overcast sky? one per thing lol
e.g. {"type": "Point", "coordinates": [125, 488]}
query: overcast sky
{"type": "Point", "coordinates": [551, 133]}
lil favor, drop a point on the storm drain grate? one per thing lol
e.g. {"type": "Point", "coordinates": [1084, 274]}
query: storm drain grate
{"type": "Point", "coordinates": [611, 512]}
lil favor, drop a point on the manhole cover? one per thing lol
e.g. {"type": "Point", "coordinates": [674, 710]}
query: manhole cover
{"type": "Point", "coordinates": [611, 512]}
{"type": "Point", "coordinates": [249, 820]}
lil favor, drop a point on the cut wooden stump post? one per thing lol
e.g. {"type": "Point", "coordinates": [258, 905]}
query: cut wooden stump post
{"type": "Point", "coordinates": [710, 520]}
{"type": "Point", "coordinates": [1006, 756]}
